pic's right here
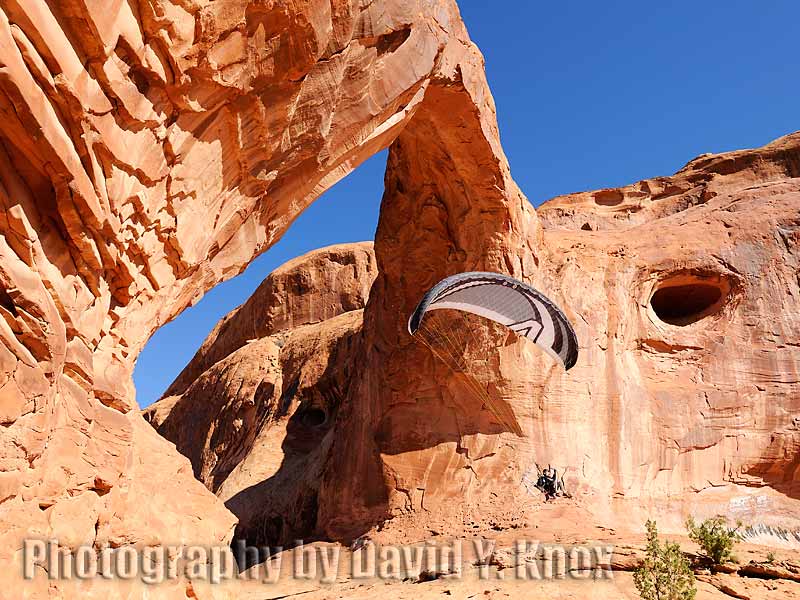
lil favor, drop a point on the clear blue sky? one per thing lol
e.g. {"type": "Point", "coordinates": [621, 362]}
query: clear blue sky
{"type": "Point", "coordinates": [589, 95]}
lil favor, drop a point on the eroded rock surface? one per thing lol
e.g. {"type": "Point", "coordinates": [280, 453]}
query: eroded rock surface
{"type": "Point", "coordinates": [150, 150]}
{"type": "Point", "coordinates": [308, 289]}
{"type": "Point", "coordinates": [691, 360]}
{"type": "Point", "coordinates": [257, 424]}
{"type": "Point", "coordinates": [684, 400]}
{"type": "Point", "coordinates": [147, 152]}
{"type": "Point", "coordinates": [685, 397]}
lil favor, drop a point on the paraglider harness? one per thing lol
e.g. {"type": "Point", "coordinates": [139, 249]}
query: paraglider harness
{"type": "Point", "coordinates": [549, 483]}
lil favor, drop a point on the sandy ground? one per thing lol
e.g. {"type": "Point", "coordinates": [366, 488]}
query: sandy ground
{"type": "Point", "coordinates": [521, 562]}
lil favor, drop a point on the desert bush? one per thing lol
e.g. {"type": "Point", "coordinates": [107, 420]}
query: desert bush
{"type": "Point", "coordinates": [715, 538]}
{"type": "Point", "coordinates": [664, 573]}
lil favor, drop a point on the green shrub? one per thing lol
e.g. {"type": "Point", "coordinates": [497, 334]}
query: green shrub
{"type": "Point", "coordinates": [664, 573]}
{"type": "Point", "coordinates": [770, 557]}
{"type": "Point", "coordinates": [715, 538]}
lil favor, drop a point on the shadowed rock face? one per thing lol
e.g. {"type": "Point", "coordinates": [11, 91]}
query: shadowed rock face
{"type": "Point", "coordinates": [258, 422]}
{"type": "Point", "coordinates": [309, 289]}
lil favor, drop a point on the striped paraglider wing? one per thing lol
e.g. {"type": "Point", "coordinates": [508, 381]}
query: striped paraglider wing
{"type": "Point", "coordinates": [509, 302]}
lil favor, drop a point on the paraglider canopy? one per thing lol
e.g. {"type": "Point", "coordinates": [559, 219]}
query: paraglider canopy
{"type": "Point", "coordinates": [509, 302]}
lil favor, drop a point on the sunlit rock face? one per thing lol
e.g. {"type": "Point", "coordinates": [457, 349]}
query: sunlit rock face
{"type": "Point", "coordinates": [149, 151]}
{"type": "Point", "coordinates": [684, 399]}
{"type": "Point", "coordinates": [684, 294]}
{"type": "Point", "coordinates": [687, 302]}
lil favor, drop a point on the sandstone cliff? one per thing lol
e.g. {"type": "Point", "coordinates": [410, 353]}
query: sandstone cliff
{"type": "Point", "coordinates": [684, 292]}
{"type": "Point", "coordinates": [147, 152]}
{"type": "Point", "coordinates": [258, 422]}
{"type": "Point", "coordinates": [150, 150]}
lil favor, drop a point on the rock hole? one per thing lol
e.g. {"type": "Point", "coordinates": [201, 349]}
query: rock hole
{"type": "Point", "coordinates": [393, 40]}
{"type": "Point", "coordinates": [7, 302]}
{"type": "Point", "coordinates": [608, 197]}
{"type": "Point", "coordinates": [313, 417]}
{"type": "Point", "coordinates": [686, 298]}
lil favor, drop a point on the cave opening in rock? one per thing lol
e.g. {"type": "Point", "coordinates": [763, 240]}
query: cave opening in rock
{"type": "Point", "coordinates": [608, 197]}
{"type": "Point", "coordinates": [685, 299]}
{"type": "Point", "coordinates": [313, 417]}
{"type": "Point", "coordinates": [7, 303]}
